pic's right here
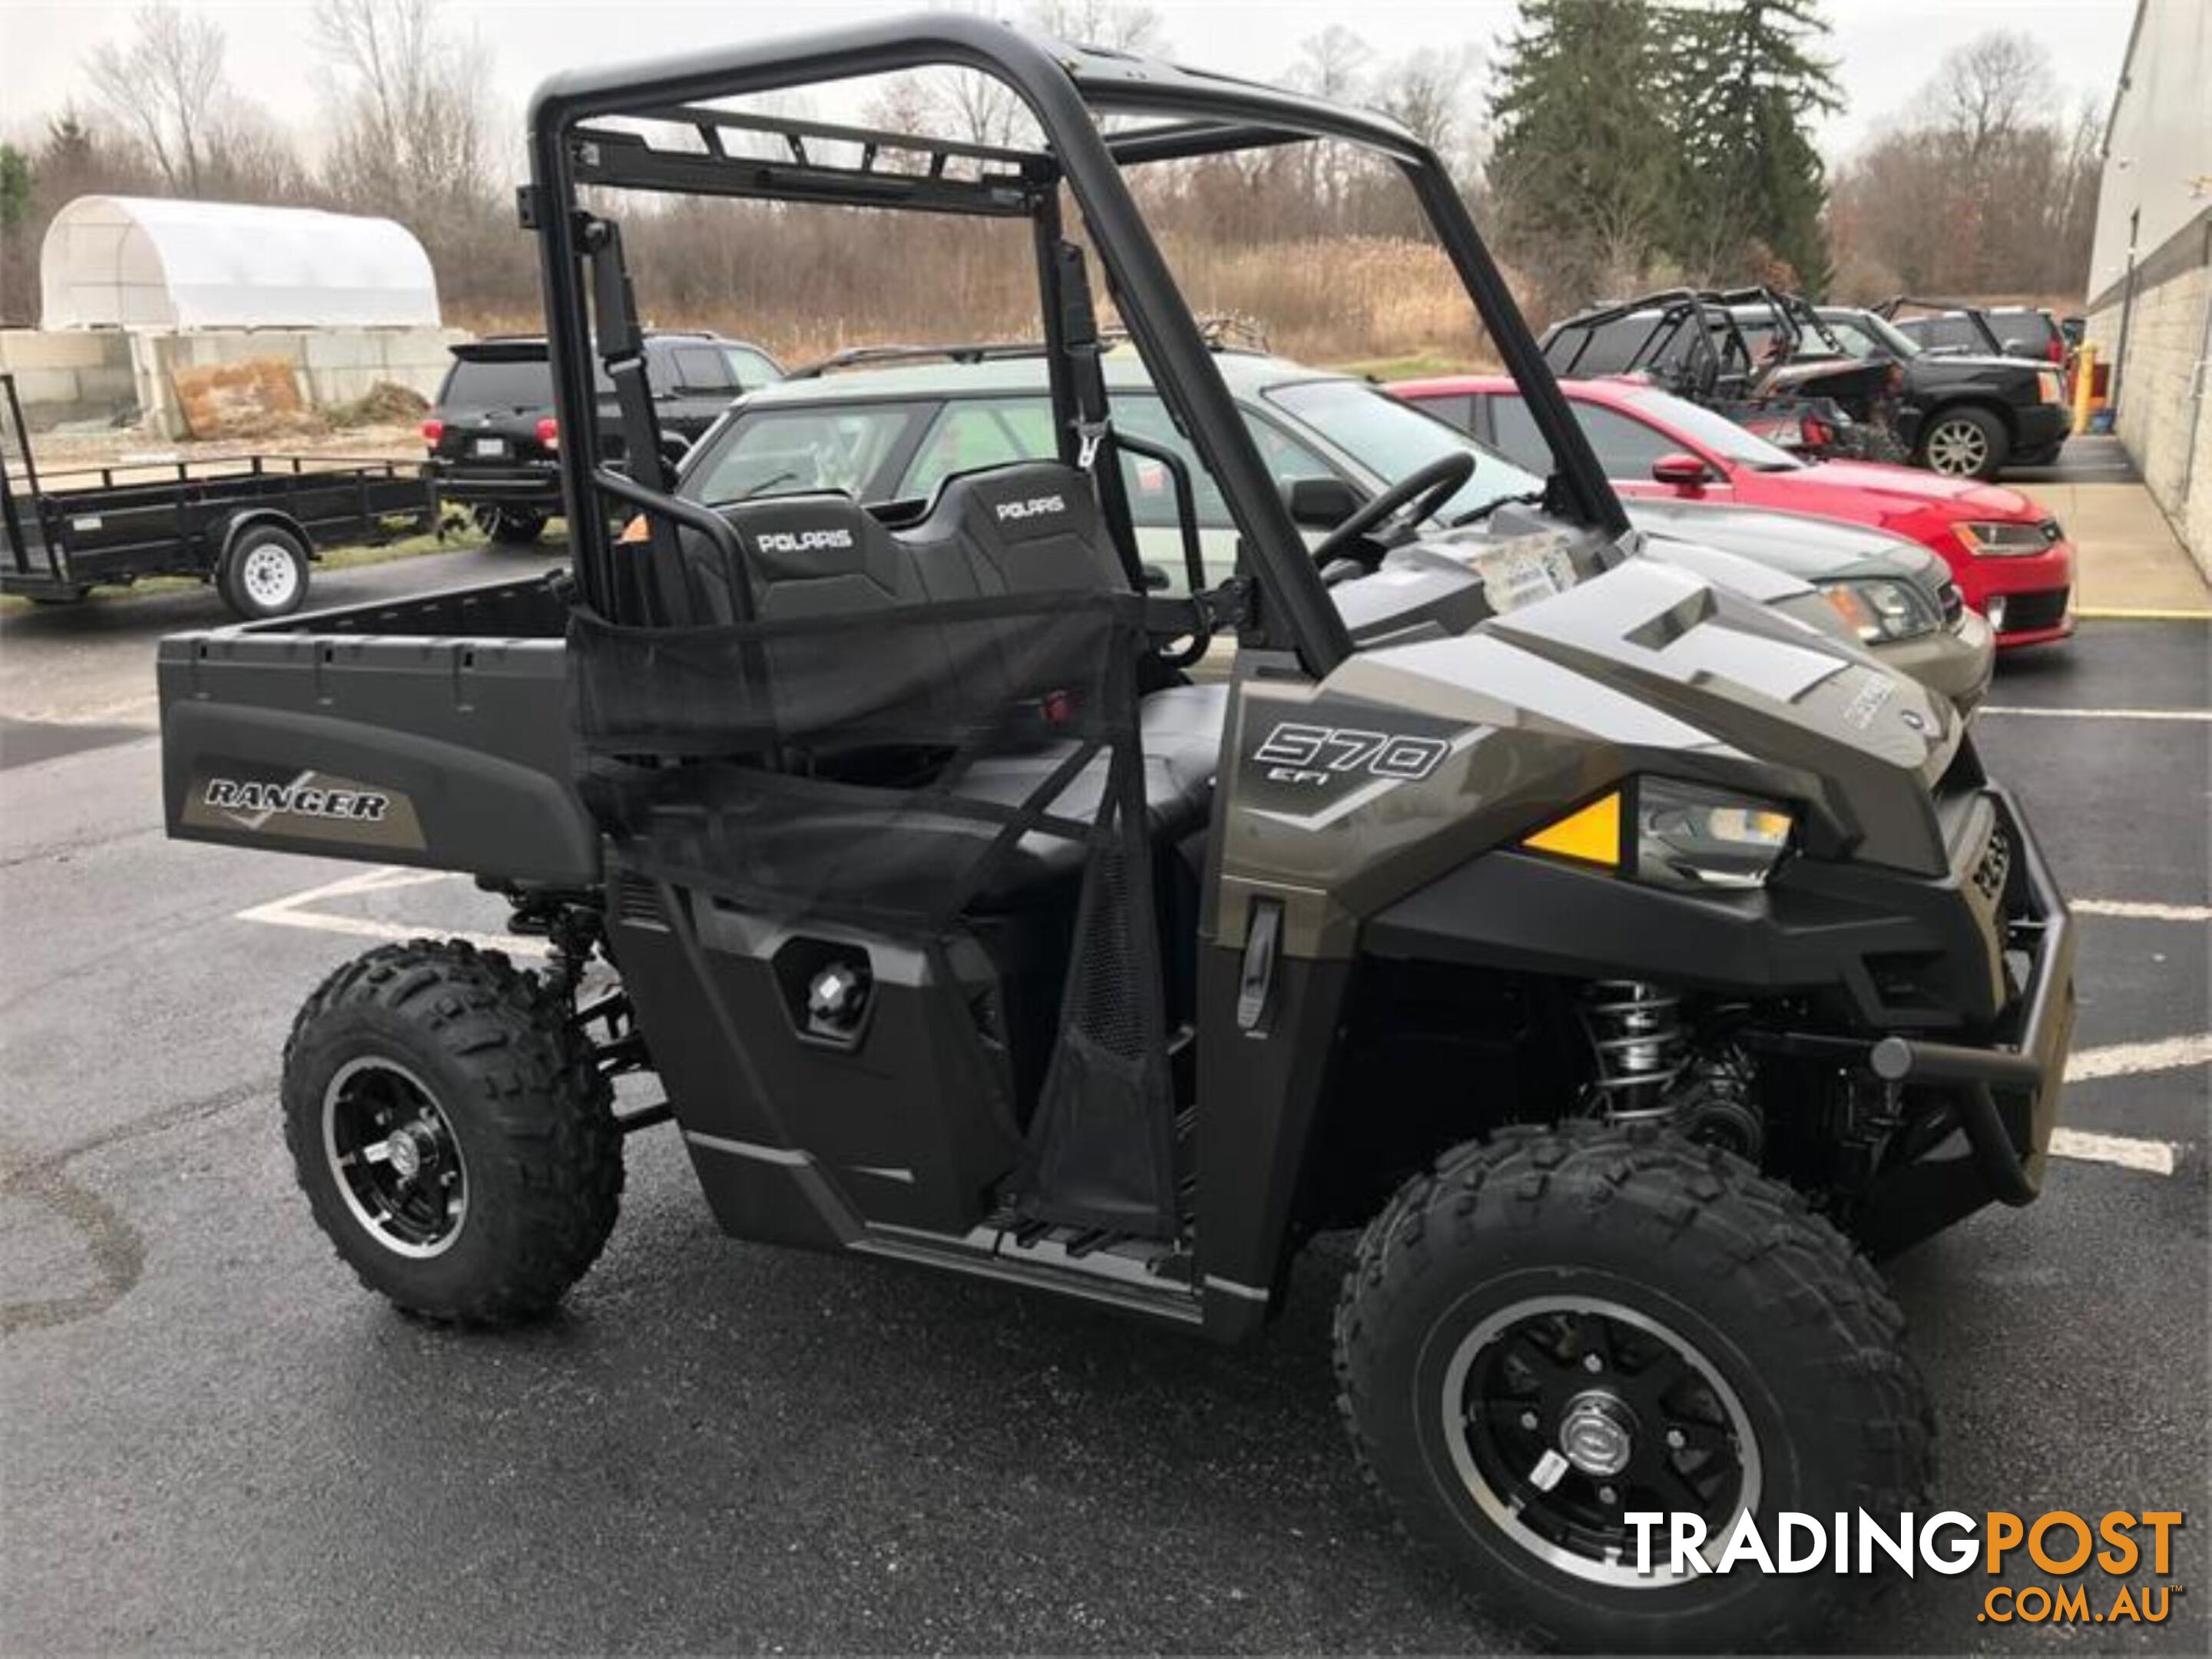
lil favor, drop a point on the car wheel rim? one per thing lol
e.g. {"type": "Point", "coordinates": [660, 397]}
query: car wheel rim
{"type": "Point", "coordinates": [1957, 447]}
{"type": "Point", "coordinates": [270, 576]}
{"type": "Point", "coordinates": [395, 1157]}
{"type": "Point", "coordinates": [1564, 1414]}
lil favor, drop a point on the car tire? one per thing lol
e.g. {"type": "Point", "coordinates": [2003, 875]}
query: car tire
{"type": "Point", "coordinates": [514, 526]}
{"type": "Point", "coordinates": [1621, 1293]}
{"type": "Point", "coordinates": [454, 1139]}
{"type": "Point", "coordinates": [264, 573]}
{"type": "Point", "coordinates": [1964, 443]}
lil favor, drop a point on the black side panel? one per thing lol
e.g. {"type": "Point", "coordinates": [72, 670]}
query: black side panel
{"type": "Point", "coordinates": [1258, 1093]}
{"type": "Point", "coordinates": [802, 1129]}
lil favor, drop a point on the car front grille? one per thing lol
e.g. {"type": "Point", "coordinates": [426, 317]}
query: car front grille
{"type": "Point", "coordinates": [2026, 613]}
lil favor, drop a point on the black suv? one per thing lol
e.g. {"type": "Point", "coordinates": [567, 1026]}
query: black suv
{"type": "Point", "coordinates": [493, 441]}
{"type": "Point", "coordinates": [1965, 415]}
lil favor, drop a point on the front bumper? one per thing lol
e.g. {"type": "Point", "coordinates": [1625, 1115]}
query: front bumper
{"type": "Point", "coordinates": [1953, 662]}
{"type": "Point", "coordinates": [2033, 596]}
{"type": "Point", "coordinates": [2042, 427]}
{"type": "Point", "coordinates": [2003, 1090]}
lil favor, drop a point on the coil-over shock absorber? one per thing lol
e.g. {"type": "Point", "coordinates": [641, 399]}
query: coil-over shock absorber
{"type": "Point", "coordinates": [1637, 1047]}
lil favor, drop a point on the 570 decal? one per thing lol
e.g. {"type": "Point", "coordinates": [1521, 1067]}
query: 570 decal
{"type": "Point", "coordinates": [1297, 753]}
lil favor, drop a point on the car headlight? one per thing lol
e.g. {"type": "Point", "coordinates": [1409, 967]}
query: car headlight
{"type": "Point", "coordinates": [1880, 611]}
{"type": "Point", "coordinates": [2009, 539]}
{"type": "Point", "coordinates": [1672, 833]}
{"type": "Point", "coordinates": [2047, 382]}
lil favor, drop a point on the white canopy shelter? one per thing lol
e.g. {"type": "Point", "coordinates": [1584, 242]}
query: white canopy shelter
{"type": "Point", "coordinates": [137, 262]}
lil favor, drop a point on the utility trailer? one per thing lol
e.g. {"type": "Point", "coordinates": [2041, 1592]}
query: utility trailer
{"type": "Point", "coordinates": [251, 523]}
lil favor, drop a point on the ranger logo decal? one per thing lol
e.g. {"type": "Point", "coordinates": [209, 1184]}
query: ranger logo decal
{"type": "Point", "coordinates": [237, 799]}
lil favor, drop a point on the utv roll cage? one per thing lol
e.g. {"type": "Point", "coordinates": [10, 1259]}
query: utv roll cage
{"type": "Point", "coordinates": [1692, 344]}
{"type": "Point", "coordinates": [691, 147]}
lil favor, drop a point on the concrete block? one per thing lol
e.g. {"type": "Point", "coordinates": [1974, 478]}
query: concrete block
{"type": "Point", "coordinates": [25, 349]}
{"type": "Point", "coordinates": [340, 349]}
{"type": "Point", "coordinates": [36, 386]}
{"type": "Point", "coordinates": [112, 386]}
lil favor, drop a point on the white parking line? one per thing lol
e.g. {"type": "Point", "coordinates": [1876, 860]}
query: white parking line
{"type": "Point", "coordinates": [2198, 714]}
{"type": "Point", "coordinates": [2153, 1157]}
{"type": "Point", "coordinates": [2133, 1059]}
{"type": "Point", "coordinates": [292, 911]}
{"type": "Point", "coordinates": [2138, 910]}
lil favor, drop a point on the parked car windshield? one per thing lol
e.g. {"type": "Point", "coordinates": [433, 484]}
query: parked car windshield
{"type": "Point", "coordinates": [1714, 432]}
{"type": "Point", "coordinates": [1392, 440]}
{"type": "Point", "coordinates": [1865, 333]}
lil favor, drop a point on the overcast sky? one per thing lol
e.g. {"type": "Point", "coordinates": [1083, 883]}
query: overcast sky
{"type": "Point", "coordinates": [1887, 48]}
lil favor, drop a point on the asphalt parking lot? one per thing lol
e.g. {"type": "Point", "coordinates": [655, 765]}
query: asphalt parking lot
{"type": "Point", "coordinates": [215, 1440]}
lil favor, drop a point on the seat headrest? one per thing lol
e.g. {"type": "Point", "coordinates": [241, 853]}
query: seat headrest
{"type": "Point", "coordinates": [1030, 528]}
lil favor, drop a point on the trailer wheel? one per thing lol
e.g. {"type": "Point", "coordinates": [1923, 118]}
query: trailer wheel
{"type": "Point", "coordinates": [1560, 1327]}
{"type": "Point", "coordinates": [452, 1135]}
{"type": "Point", "coordinates": [516, 526]}
{"type": "Point", "coordinates": [264, 573]}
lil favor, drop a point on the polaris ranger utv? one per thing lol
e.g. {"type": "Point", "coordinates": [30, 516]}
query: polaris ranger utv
{"type": "Point", "coordinates": [1624, 957]}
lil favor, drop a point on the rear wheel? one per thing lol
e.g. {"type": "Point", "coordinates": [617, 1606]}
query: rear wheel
{"type": "Point", "coordinates": [453, 1138]}
{"type": "Point", "coordinates": [1559, 1327]}
{"type": "Point", "coordinates": [264, 573]}
{"type": "Point", "coordinates": [1964, 443]}
{"type": "Point", "coordinates": [518, 526]}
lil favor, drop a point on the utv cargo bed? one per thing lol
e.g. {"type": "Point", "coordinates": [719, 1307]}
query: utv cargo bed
{"type": "Point", "coordinates": [426, 730]}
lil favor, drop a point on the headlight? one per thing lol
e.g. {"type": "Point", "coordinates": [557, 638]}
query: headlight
{"type": "Point", "coordinates": [2010, 539]}
{"type": "Point", "coordinates": [2046, 382]}
{"type": "Point", "coordinates": [1880, 610]}
{"type": "Point", "coordinates": [1687, 835]}
{"type": "Point", "coordinates": [1683, 835]}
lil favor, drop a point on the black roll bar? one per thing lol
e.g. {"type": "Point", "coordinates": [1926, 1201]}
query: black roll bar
{"type": "Point", "coordinates": [1063, 87]}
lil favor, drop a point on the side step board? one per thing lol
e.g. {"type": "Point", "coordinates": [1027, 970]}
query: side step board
{"type": "Point", "coordinates": [1125, 1274]}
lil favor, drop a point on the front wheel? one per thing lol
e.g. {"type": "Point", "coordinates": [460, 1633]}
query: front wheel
{"type": "Point", "coordinates": [1559, 1327]}
{"type": "Point", "coordinates": [453, 1138]}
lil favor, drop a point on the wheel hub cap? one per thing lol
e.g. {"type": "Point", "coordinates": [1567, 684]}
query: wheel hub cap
{"type": "Point", "coordinates": [408, 1154]}
{"type": "Point", "coordinates": [1597, 1433]}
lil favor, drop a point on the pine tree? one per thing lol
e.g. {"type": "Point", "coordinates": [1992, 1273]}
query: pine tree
{"type": "Point", "coordinates": [1747, 80]}
{"type": "Point", "coordinates": [1584, 165]}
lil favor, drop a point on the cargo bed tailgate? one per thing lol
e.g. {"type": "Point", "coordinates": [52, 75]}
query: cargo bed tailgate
{"type": "Point", "coordinates": [449, 752]}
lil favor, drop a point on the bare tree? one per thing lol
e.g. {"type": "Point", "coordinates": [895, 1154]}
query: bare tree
{"type": "Point", "coordinates": [1117, 25]}
{"type": "Point", "coordinates": [166, 88]}
{"type": "Point", "coordinates": [1991, 88]}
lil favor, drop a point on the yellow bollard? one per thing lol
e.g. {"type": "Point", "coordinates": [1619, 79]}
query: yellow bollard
{"type": "Point", "coordinates": [2085, 380]}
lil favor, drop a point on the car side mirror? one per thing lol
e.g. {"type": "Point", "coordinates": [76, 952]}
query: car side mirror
{"type": "Point", "coordinates": [1320, 503]}
{"type": "Point", "coordinates": [1681, 471]}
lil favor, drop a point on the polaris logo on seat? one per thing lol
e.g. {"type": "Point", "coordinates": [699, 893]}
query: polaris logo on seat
{"type": "Point", "coordinates": [802, 541]}
{"type": "Point", "coordinates": [1035, 507]}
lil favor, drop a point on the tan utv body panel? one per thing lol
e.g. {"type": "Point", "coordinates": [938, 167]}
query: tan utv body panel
{"type": "Point", "coordinates": [1643, 668]}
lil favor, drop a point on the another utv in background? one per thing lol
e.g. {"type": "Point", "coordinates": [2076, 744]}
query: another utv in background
{"type": "Point", "coordinates": [1963, 415]}
{"type": "Point", "coordinates": [1759, 357]}
{"type": "Point", "coordinates": [494, 440]}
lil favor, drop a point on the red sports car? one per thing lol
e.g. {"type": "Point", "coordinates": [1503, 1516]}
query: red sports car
{"type": "Point", "coordinates": [2011, 561]}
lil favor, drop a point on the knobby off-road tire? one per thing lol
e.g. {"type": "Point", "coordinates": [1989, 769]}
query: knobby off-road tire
{"type": "Point", "coordinates": [512, 526]}
{"type": "Point", "coordinates": [436, 1055]}
{"type": "Point", "coordinates": [1487, 1266]}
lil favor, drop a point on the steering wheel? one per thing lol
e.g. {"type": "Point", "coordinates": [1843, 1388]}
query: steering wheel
{"type": "Point", "coordinates": [1416, 496]}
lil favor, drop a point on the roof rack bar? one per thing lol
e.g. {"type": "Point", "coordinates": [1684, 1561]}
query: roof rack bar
{"type": "Point", "coordinates": [624, 161]}
{"type": "Point", "coordinates": [693, 115]}
{"type": "Point", "coordinates": [1175, 141]}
